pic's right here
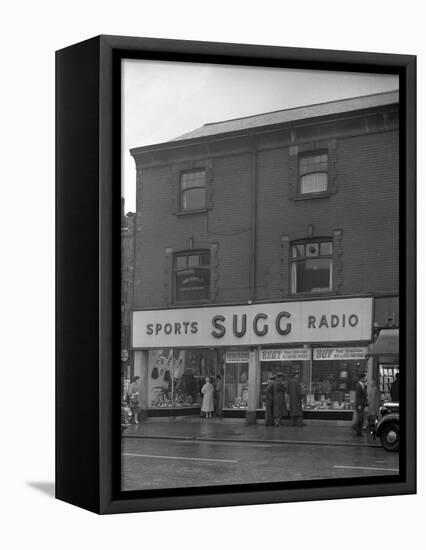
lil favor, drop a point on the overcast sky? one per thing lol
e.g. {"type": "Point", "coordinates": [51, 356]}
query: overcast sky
{"type": "Point", "coordinates": [163, 100]}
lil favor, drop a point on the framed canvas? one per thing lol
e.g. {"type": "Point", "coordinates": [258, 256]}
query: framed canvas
{"type": "Point", "coordinates": [235, 274]}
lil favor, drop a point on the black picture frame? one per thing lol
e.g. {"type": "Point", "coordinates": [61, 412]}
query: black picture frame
{"type": "Point", "coordinates": [88, 272]}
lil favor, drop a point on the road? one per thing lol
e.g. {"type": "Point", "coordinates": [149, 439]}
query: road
{"type": "Point", "coordinates": [164, 463]}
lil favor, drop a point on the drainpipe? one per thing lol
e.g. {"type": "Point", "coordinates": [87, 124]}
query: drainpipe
{"type": "Point", "coordinates": [253, 227]}
{"type": "Point", "coordinates": [254, 365]}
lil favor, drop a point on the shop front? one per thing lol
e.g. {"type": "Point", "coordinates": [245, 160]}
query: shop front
{"type": "Point", "coordinates": [239, 347]}
{"type": "Point", "coordinates": [385, 355]}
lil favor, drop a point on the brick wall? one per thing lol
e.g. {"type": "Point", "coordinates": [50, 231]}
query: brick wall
{"type": "Point", "coordinates": [226, 224]}
{"type": "Point", "coordinates": [364, 208]}
{"type": "Point", "coordinates": [127, 277]}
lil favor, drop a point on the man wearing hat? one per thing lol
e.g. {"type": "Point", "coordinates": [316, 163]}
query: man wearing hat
{"type": "Point", "coordinates": [279, 404]}
{"type": "Point", "coordinates": [269, 413]}
{"type": "Point", "coordinates": [360, 402]}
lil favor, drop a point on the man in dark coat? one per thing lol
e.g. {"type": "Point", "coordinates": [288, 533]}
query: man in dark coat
{"type": "Point", "coordinates": [279, 405]}
{"type": "Point", "coordinates": [295, 393]}
{"type": "Point", "coordinates": [269, 413]}
{"type": "Point", "coordinates": [360, 402]}
{"type": "Point", "coordinates": [394, 391]}
{"type": "Point", "coordinates": [218, 396]}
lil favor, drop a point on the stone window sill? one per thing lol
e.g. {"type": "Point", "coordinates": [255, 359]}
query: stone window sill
{"type": "Point", "coordinates": [187, 212]}
{"type": "Point", "coordinates": [312, 196]}
{"type": "Point", "coordinates": [326, 293]}
{"type": "Point", "coordinates": [178, 304]}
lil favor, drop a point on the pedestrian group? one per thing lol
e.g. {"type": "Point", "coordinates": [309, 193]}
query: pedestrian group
{"type": "Point", "coordinates": [283, 400]}
{"type": "Point", "coordinates": [276, 407]}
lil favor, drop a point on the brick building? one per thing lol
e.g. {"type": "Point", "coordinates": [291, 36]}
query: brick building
{"type": "Point", "coordinates": [127, 278]}
{"type": "Point", "coordinates": [269, 244]}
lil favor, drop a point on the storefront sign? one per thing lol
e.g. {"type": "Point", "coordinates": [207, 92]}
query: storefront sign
{"type": "Point", "coordinates": [345, 320]}
{"type": "Point", "coordinates": [237, 356]}
{"type": "Point", "coordinates": [337, 354]}
{"type": "Point", "coordinates": [294, 354]}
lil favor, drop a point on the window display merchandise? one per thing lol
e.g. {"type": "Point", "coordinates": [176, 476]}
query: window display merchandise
{"type": "Point", "coordinates": [175, 377]}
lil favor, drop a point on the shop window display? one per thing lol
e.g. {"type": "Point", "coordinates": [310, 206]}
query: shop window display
{"type": "Point", "coordinates": [329, 385]}
{"type": "Point", "coordinates": [387, 374]}
{"type": "Point", "coordinates": [175, 377]}
{"type": "Point", "coordinates": [236, 385]}
{"type": "Point", "coordinates": [333, 384]}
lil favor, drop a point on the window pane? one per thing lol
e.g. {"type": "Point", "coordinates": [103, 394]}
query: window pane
{"type": "Point", "coordinates": [192, 276]}
{"type": "Point", "coordinates": [193, 261]}
{"type": "Point", "coordinates": [180, 262]}
{"type": "Point", "coordinates": [193, 179]}
{"type": "Point", "coordinates": [320, 161]}
{"type": "Point", "coordinates": [326, 249]}
{"type": "Point", "coordinates": [298, 250]}
{"type": "Point", "coordinates": [314, 183]}
{"type": "Point", "coordinates": [294, 277]}
{"type": "Point", "coordinates": [312, 275]}
{"type": "Point", "coordinates": [312, 249]}
{"type": "Point", "coordinates": [205, 259]}
{"type": "Point", "coordinates": [303, 164]}
{"type": "Point", "coordinates": [194, 199]}
{"type": "Point", "coordinates": [313, 163]}
{"type": "Point", "coordinates": [193, 284]}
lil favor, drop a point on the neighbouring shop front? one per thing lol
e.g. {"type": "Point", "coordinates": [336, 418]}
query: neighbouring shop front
{"type": "Point", "coordinates": [324, 341]}
{"type": "Point", "coordinates": [384, 353]}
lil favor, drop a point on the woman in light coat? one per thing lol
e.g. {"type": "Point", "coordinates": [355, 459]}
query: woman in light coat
{"type": "Point", "coordinates": [208, 398]}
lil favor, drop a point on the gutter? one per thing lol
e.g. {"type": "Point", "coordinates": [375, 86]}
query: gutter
{"type": "Point", "coordinates": [269, 128]}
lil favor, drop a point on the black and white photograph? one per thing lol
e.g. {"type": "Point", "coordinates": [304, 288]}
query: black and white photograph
{"type": "Point", "coordinates": [213, 253]}
{"type": "Point", "coordinates": [260, 275]}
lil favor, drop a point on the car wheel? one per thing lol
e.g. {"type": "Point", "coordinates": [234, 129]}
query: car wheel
{"type": "Point", "coordinates": [390, 437]}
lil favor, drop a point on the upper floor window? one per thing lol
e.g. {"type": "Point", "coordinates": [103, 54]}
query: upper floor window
{"type": "Point", "coordinates": [312, 267]}
{"type": "Point", "coordinates": [313, 173]}
{"type": "Point", "coordinates": [193, 190]}
{"type": "Point", "coordinates": [192, 276]}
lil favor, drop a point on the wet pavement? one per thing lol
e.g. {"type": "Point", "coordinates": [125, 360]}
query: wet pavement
{"type": "Point", "coordinates": [160, 463]}
{"type": "Point", "coordinates": [313, 432]}
{"type": "Point", "coordinates": [194, 452]}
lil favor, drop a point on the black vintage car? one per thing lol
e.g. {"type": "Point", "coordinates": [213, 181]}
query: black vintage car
{"type": "Point", "coordinates": [387, 426]}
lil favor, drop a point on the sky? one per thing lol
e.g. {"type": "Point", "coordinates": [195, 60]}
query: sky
{"type": "Point", "coordinates": [162, 100]}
